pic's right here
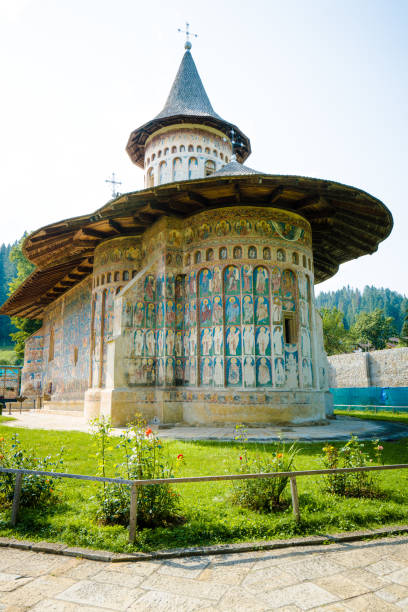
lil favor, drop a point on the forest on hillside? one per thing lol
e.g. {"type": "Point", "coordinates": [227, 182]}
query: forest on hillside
{"type": "Point", "coordinates": [8, 271]}
{"type": "Point", "coordinates": [351, 302]}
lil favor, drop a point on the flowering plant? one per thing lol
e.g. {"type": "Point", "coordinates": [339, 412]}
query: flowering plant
{"type": "Point", "coordinates": [353, 454]}
{"type": "Point", "coordinates": [36, 490]}
{"type": "Point", "coordinates": [262, 494]}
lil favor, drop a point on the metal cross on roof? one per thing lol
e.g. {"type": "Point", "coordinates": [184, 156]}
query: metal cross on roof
{"type": "Point", "coordinates": [113, 182]}
{"type": "Point", "coordinates": [187, 44]}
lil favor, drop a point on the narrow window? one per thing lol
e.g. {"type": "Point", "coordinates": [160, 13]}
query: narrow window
{"type": "Point", "coordinates": [102, 279]}
{"type": "Point", "coordinates": [209, 168]}
{"type": "Point", "coordinates": [116, 276]}
{"type": "Point", "coordinates": [221, 155]}
{"type": "Point", "coordinates": [174, 149]}
{"type": "Point", "coordinates": [199, 149]}
{"type": "Point", "coordinates": [289, 329]}
{"type": "Point", "coordinates": [304, 261]}
{"type": "Point", "coordinates": [190, 148]}
{"type": "Point", "coordinates": [207, 150]}
{"type": "Point", "coordinates": [237, 253]}
{"type": "Point", "coordinates": [192, 168]}
{"type": "Point", "coordinates": [125, 275]}
{"type": "Point", "coordinates": [166, 151]}
{"type": "Point", "coordinates": [215, 153]}
{"type": "Point", "coordinates": [295, 258]}
{"type": "Point", "coordinates": [177, 169]}
{"type": "Point", "coordinates": [75, 355]}
{"type": "Point", "coordinates": [182, 148]}
{"type": "Point", "coordinates": [134, 272]}
{"type": "Point", "coordinates": [150, 178]}
{"type": "Point", "coordinates": [209, 255]}
{"type": "Point", "coordinates": [159, 154]}
{"type": "Point", "coordinates": [153, 156]}
{"type": "Point", "coordinates": [252, 254]}
{"type": "Point", "coordinates": [281, 255]}
{"type": "Point", "coordinates": [51, 346]}
{"type": "Point", "coordinates": [109, 277]}
{"type": "Point", "coordinates": [197, 257]}
{"type": "Point", "coordinates": [267, 253]}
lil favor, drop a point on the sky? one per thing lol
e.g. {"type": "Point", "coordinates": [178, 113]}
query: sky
{"type": "Point", "coordinates": [319, 86]}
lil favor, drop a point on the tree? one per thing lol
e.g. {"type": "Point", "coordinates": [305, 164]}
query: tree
{"type": "Point", "coordinates": [403, 341]}
{"type": "Point", "coordinates": [373, 329]}
{"type": "Point", "coordinates": [25, 327]}
{"type": "Point", "coordinates": [336, 337]}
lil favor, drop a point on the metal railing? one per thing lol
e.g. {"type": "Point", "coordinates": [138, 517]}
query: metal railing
{"type": "Point", "coordinates": [135, 484]}
{"type": "Point", "coordinates": [371, 408]}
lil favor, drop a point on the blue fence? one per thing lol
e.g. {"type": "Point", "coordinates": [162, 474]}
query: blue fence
{"type": "Point", "coordinates": [384, 398]}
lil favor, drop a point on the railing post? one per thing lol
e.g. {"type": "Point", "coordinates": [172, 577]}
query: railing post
{"type": "Point", "coordinates": [295, 498]}
{"type": "Point", "coordinates": [16, 499]}
{"type": "Point", "coordinates": [133, 513]}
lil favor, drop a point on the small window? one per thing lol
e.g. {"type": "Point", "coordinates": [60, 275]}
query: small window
{"type": "Point", "coordinates": [215, 153]}
{"type": "Point", "coordinates": [199, 149]}
{"type": "Point", "coordinates": [207, 150]}
{"type": "Point", "coordinates": [153, 156]}
{"type": "Point", "coordinates": [267, 253]}
{"type": "Point", "coordinates": [125, 275]}
{"type": "Point", "coordinates": [289, 329]}
{"type": "Point", "coordinates": [162, 172]}
{"type": "Point", "coordinates": [150, 178]}
{"type": "Point", "coordinates": [188, 260]}
{"type": "Point", "coordinates": [209, 255]}
{"type": "Point", "coordinates": [221, 155]}
{"type": "Point", "coordinates": [97, 281]}
{"type": "Point", "coordinates": [209, 168]}
{"type": "Point", "coordinates": [134, 272]}
{"type": "Point", "coordinates": [304, 261]}
{"type": "Point", "coordinates": [116, 277]}
{"type": "Point", "coordinates": [237, 253]}
{"type": "Point", "coordinates": [102, 279]}
{"type": "Point", "coordinates": [309, 264]}
{"type": "Point", "coordinates": [182, 148]}
{"type": "Point", "coordinates": [159, 154]}
{"type": "Point", "coordinates": [295, 258]}
{"type": "Point", "coordinates": [118, 290]}
{"type": "Point", "coordinates": [252, 254]}
{"type": "Point", "coordinates": [190, 148]}
{"type": "Point", "coordinates": [109, 277]}
{"type": "Point", "coordinates": [226, 159]}
{"type": "Point", "coordinates": [197, 257]}
{"type": "Point", "coordinates": [166, 151]}
{"type": "Point", "coordinates": [51, 346]}
{"type": "Point", "coordinates": [281, 255]}
{"type": "Point", "coordinates": [148, 161]}
{"type": "Point", "coordinates": [75, 355]}
{"type": "Point", "coordinates": [174, 149]}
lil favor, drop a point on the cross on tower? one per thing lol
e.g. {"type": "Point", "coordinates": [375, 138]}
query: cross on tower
{"type": "Point", "coordinates": [113, 182]}
{"type": "Point", "coordinates": [187, 44]}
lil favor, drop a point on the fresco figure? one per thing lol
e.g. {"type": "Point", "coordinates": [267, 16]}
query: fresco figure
{"type": "Point", "coordinates": [160, 342]}
{"type": "Point", "coordinates": [217, 280]}
{"type": "Point", "coordinates": [231, 277]}
{"type": "Point", "coordinates": [160, 371]}
{"type": "Point", "coordinates": [138, 314]}
{"type": "Point", "coordinates": [276, 280]}
{"type": "Point", "coordinates": [278, 340]}
{"type": "Point", "coordinates": [206, 342]}
{"type": "Point", "coordinates": [233, 371]}
{"type": "Point", "coordinates": [279, 371]}
{"type": "Point", "coordinates": [150, 342]}
{"type": "Point", "coordinates": [262, 341]}
{"type": "Point", "coordinates": [150, 316]}
{"type": "Point", "coordinates": [205, 312]}
{"type": "Point", "coordinates": [248, 336]}
{"type": "Point", "coordinates": [128, 312]}
{"type": "Point", "coordinates": [261, 280]}
{"type": "Point", "coordinates": [232, 311]}
{"type": "Point", "coordinates": [206, 371]}
{"type": "Point", "coordinates": [247, 309]}
{"type": "Point", "coordinates": [179, 344]}
{"type": "Point", "coordinates": [246, 279]}
{"type": "Point", "coordinates": [302, 285]}
{"type": "Point", "coordinates": [179, 316]}
{"type": "Point", "coordinates": [170, 285]}
{"type": "Point", "coordinates": [276, 310]}
{"type": "Point", "coordinates": [218, 372]}
{"type": "Point", "coordinates": [160, 314]}
{"type": "Point", "coordinates": [193, 371]}
{"type": "Point", "coordinates": [192, 341]}
{"type": "Point", "coordinates": [233, 339]}
{"type": "Point", "coordinates": [169, 342]}
{"type": "Point", "coordinates": [261, 310]}
{"type": "Point", "coordinates": [217, 310]}
{"type": "Point", "coordinates": [307, 373]}
{"type": "Point", "coordinates": [264, 372]}
{"type": "Point", "coordinates": [291, 370]}
{"type": "Point", "coordinates": [205, 282]}
{"type": "Point", "coordinates": [170, 313]}
{"type": "Point", "coordinates": [138, 342]}
{"type": "Point", "coordinates": [170, 370]}
{"type": "Point", "coordinates": [149, 288]}
{"type": "Point", "coordinates": [249, 372]}
{"type": "Point", "coordinates": [192, 284]}
{"type": "Point", "coordinates": [305, 343]}
{"type": "Point", "coordinates": [179, 371]}
{"type": "Point", "coordinates": [218, 341]}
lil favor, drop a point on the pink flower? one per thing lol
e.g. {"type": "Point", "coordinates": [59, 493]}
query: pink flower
{"type": "Point", "coordinates": [380, 447]}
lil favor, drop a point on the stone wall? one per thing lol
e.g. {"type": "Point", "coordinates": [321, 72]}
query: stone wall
{"type": "Point", "coordinates": [387, 368]}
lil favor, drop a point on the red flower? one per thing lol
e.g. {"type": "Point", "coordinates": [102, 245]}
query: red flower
{"type": "Point", "coordinates": [180, 456]}
{"type": "Point", "coordinates": [148, 432]}
{"type": "Point", "coordinates": [240, 458]}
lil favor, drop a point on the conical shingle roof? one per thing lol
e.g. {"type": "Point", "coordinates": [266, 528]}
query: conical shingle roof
{"type": "Point", "coordinates": [234, 168]}
{"type": "Point", "coordinates": [187, 103]}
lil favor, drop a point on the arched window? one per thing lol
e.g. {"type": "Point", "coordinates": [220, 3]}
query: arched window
{"type": "Point", "coordinates": [192, 168]}
{"type": "Point", "coordinates": [102, 279]}
{"type": "Point", "coordinates": [166, 151]}
{"type": "Point", "coordinates": [237, 253]}
{"type": "Point", "coordinates": [182, 148]}
{"type": "Point", "coordinates": [209, 255]}
{"type": "Point", "coordinates": [118, 290]}
{"type": "Point", "coordinates": [188, 260]}
{"type": "Point", "coordinates": [162, 172]}
{"type": "Point", "coordinates": [252, 253]}
{"type": "Point", "coordinates": [116, 278]}
{"type": "Point", "coordinates": [266, 253]}
{"type": "Point", "coordinates": [226, 159]}
{"type": "Point", "coordinates": [280, 255]}
{"type": "Point", "coordinates": [221, 155]}
{"type": "Point", "coordinates": [207, 150]}
{"type": "Point", "coordinates": [304, 261]}
{"type": "Point", "coordinates": [215, 153]}
{"type": "Point", "coordinates": [125, 275]}
{"type": "Point", "coordinates": [174, 149]}
{"type": "Point", "coordinates": [190, 148]}
{"type": "Point", "coordinates": [109, 277]}
{"type": "Point", "coordinates": [295, 258]}
{"type": "Point", "coordinates": [159, 153]}
{"type": "Point", "coordinates": [51, 345]}
{"type": "Point", "coordinates": [199, 149]}
{"type": "Point", "coordinates": [197, 257]}
{"type": "Point", "coordinates": [209, 168]}
{"type": "Point", "coordinates": [150, 178]}
{"type": "Point", "coordinates": [148, 161]}
{"type": "Point", "coordinates": [153, 156]}
{"type": "Point", "coordinates": [177, 169]}
{"type": "Point", "coordinates": [309, 264]}
{"type": "Point", "coordinates": [134, 272]}
{"type": "Point", "coordinates": [223, 253]}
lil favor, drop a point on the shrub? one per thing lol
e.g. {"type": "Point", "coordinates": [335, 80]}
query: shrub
{"type": "Point", "coordinates": [353, 454]}
{"type": "Point", "coordinates": [36, 490]}
{"type": "Point", "coordinates": [143, 459]}
{"type": "Point", "coordinates": [262, 494]}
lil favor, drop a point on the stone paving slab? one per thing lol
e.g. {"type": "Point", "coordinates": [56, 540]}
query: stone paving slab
{"type": "Point", "coordinates": [362, 575]}
{"type": "Point", "coordinates": [339, 428]}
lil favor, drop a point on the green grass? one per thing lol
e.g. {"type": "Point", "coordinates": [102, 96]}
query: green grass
{"type": "Point", "coordinates": [210, 518]}
{"type": "Point", "coordinates": [3, 419]}
{"type": "Point", "coordinates": [397, 417]}
{"type": "Point", "coordinates": [7, 355]}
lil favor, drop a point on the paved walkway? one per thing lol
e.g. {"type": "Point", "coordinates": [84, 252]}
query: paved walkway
{"type": "Point", "coordinates": [357, 576]}
{"type": "Point", "coordinates": [338, 429]}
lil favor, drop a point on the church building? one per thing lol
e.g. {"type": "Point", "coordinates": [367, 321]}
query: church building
{"type": "Point", "coordinates": [192, 301]}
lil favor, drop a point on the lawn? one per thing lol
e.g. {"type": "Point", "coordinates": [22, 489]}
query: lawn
{"type": "Point", "coordinates": [397, 417]}
{"type": "Point", "coordinates": [210, 518]}
{"type": "Point", "coordinates": [3, 419]}
{"type": "Point", "coordinates": [7, 355]}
